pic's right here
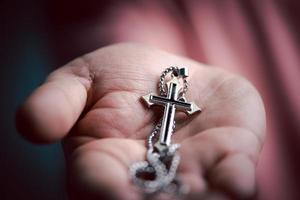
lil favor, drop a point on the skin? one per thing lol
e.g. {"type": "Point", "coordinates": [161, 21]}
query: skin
{"type": "Point", "coordinates": [93, 105]}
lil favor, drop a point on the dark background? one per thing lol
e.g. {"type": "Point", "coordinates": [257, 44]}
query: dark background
{"type": "Point", "coordinates": [27, 171]}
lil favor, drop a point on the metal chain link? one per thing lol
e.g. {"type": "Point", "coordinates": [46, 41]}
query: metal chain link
{"type": "Point", "coordinates": [161, 85]}
{"type": "Point", "coordinates": [165, 177]}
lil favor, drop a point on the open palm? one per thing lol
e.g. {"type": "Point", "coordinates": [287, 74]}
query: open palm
{"type": "Point", "coordinates": [94, 104]}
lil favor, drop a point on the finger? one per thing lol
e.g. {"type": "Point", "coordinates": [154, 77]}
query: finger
{"type": "Point", "coordinates": [234, 174]}
{"type": "Point", "coordinates": [222, 159]}
{"type": "Point", "coordinates": [99, 169]}
{"type": "Point", "coordinates": [52, 109]}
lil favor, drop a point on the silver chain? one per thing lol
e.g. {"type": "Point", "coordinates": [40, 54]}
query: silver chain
{"type": "Point", "coordinates": [162, 166]}
{"type": "Point", "coordinates": [161, 85]}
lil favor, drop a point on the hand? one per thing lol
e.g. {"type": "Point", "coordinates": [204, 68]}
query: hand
{"type": "Point", "coordinates": [93, 103]}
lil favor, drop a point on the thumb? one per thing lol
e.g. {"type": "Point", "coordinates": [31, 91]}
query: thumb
{"type": "Point", "coordinates": [51, 110]}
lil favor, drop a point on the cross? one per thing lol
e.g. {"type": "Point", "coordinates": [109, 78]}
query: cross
{"type": "Point", "coordinates": [171, 102]}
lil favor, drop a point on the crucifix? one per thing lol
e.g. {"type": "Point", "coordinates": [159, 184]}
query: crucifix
{"type": "Point", "coordinates": [173, 101]}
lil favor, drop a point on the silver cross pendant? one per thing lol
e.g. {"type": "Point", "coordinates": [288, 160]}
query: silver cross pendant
{"type": "Point", "coordinates": [162, 159]}
{"type": "Point", "coordinates": [172, 102]}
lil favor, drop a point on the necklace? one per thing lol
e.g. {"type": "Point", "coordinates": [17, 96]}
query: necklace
{"type": "Point", "coordinates": [158, 172]}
